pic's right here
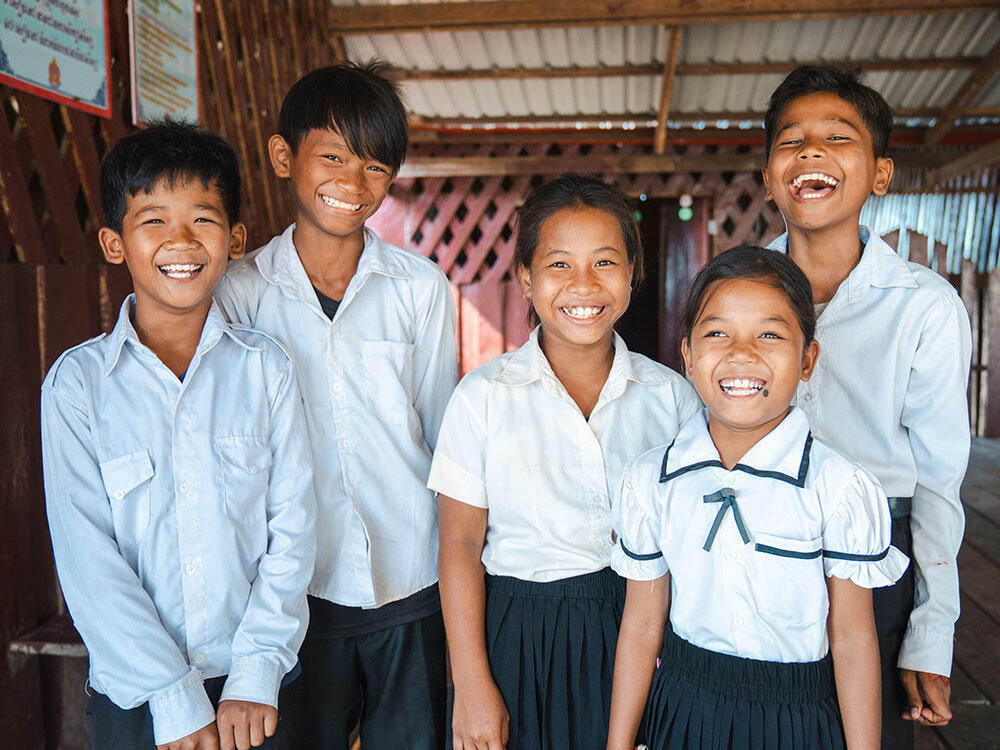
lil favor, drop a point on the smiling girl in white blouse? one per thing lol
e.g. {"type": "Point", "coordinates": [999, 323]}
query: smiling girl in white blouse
{"type": "Point", "coordinates": [529, 447]}
{"type": "Point", "coordinates": [760, 544]}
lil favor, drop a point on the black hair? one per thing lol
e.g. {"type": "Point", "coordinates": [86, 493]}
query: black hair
{"type": "Point", "coordinates": [356, 100]}
{"type": "Point", "coordinates": [176, 152]}
{"type": "Point", "coordinates": [760, 264]}
{"type": "Point", "coordinates": [844, 82]}
{"type": "Point", "coordinates": [576, 191]}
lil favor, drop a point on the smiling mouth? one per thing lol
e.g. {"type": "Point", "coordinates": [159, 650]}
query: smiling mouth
{"type": "Point", "coordinates": [742, 386]}
{"type": "Point", "coordinates": [181, 270]}
{"type": "Point", "coordinates": [813, 185]}
{"type": "Point", "coordinates": [334, 203]}
{"type": "Point", "coordinates": [582, 313]}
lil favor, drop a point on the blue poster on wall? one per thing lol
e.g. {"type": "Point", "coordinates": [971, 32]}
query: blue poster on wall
{"type": "Point", "coordinates": [57, 49]}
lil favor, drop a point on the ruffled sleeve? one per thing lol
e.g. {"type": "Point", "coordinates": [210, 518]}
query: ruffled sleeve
{"type": "Point", "coordinates": [637, 554]}
{"type": "Point", "coordinates": [856, 539]}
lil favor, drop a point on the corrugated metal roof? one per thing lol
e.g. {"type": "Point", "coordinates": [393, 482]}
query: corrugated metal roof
{"type": "Point", "coordinates": [873, 38]}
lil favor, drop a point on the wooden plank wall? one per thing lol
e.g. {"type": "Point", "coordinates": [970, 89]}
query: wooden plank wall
{"type": "Point", "coordinates": [55, 290]}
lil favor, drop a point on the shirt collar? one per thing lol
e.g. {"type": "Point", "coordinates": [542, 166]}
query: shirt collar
{"type": "Point", "coordinates": [880, 266]}
{"type": "Point", "coordinates": [279, 264]}
{"type": "Point", "coordinates": [528, 364]}
{"type": "Point", "coordinates": [782, 454]}
{"type": "Point", "coordinates": [213, 330]}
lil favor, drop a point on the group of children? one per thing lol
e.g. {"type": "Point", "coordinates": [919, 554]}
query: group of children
{"type": "Point", "coordinates": [241, 477]}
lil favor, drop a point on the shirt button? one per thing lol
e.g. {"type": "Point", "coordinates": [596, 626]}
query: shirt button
{"type": "Point", "coordinates": [808, 396]}
{"type": "Point", "coordinates": [731, 555]}
{"type": "Point", "coordinates": [119, 494]}
{"type": "Point", "coordinates": [190, 570]}
{"type": "Point", "coordinates": [345, 443]}
{"type": "Point", "coordinates": [254, 468]}
{"type": "Point", "coordinates": [184, 488]}
{"type": "Point", "coordinates": [199, 658]}
{"type": "Point", "coordinates": [739, 620]}
{"type": "Point", "coordinates": [337, 387]}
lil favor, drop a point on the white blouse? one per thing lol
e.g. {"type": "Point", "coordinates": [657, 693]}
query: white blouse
{"type": "Point", "coordinates": [513, 441]}
{"type": "Point", "coordinates": [749, 549]}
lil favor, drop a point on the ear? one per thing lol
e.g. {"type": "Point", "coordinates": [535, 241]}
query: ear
{"type": "Point", "coordinates": [281, 155]}
{"type": "Point", "coordinates": [524, 276]}
{"type": "Point", "coordinates": [809, 358]}
{"type": "Point", "coordinates": [237, 241]}
{"type": "Point", "coordinates": [111, 245]}
{"type": "Point", "coordinates": [767, 183]}
{"type": "Point", "coordinates": [883, 175]}
{"type": "Point", "coordinates": [686, 355]}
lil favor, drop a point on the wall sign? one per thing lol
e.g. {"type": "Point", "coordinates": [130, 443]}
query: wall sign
{"type": "Point", "coordinates": [164, 49]}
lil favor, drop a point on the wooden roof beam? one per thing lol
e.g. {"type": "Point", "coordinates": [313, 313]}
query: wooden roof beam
{"type": "Point", "coordinates": [667, 88]}
{"type": "Point", "coordinates": [966, 95]}
{"type": "Point", "coordinates": [685, 69]}
{"type": "Point", "coordinates": [984, 156]}
{"type": "Point", "coordinates": [507, 14]}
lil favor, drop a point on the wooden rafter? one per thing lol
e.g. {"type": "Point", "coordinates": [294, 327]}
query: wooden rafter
{"type": "Point", "coordinates": [686, 69]}
{"type": "Point", "coordinates": [337, 46]}
{"type": "Point", "coordinates": [976, 82]}
{"type": "Point", "coordinates": [984, 156]}
{"type": "Point", "coordinates": [507, 14]}
{"type": "Point", "coordinates": [667, 88]}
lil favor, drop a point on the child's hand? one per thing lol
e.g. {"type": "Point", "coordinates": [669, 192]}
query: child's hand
{"type": "Point", "coordinates": [206, 738]}
{"type": "Point", "coordinates": [243, 724]}
{"type": "Point", "coordinates": [480, 719]}
{"type": "Point", "coordinates": [929, 696]}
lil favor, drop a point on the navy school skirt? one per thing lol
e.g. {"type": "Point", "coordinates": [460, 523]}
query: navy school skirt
{"type": "Point", "coordinates": [703, 699]}
{"type": "Point", "coordinates": [551, 648]}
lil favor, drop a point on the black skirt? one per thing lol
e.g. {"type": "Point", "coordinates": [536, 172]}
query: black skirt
{"type": "Point", "coordinates": [551, 648]}
{"type": "Point", "coordinates": [703, 699]}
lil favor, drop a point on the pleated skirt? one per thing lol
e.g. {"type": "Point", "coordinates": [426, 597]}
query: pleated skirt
{"type": "Point", "coordinates": [704, 700]}
{"type": "Point", "coordinates": [551, 648]}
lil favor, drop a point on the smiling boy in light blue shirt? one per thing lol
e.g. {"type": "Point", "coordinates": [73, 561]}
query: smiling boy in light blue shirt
{"type": "Point", "coordinates": [177, 475]}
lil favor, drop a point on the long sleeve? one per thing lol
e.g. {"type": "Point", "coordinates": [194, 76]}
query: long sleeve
{"type": "Point", "coordinates": [936, 417]}
{"type": "Point", "coordinates": [127, 642]}
{"type": "Point", "coordinates": [268, 637]}
{"type": "Point", "coordinates": [437, 360]}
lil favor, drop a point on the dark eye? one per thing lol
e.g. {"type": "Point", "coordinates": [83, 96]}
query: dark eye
{"type": "Point", "coordinates": [204, 219]}
{"type": "Point", "coordinates": [714, 334]}
{"type": "Point", "coordinates": [605, 262]}
{"type": "Point", "coordinates": [770, 335]}
{"type": "Point", "coordinates": [838, 138]}
{"type": "Point", "coordinates": [332, 157]}
{"type": "Point", "coordinates": [153, 221]}
{"type": "Point", "coordinates": [559, 264]}
{"type": "Point", "coordinates": [790, 142]}
{"type": "Point", "coordinates": [378, 168]}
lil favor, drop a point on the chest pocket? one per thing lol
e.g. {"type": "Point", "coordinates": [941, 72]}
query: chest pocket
{"type": "Point", "coordinates": [791, 582]}
{"type": "Point", "coordinates": [388, 375]}
{"type": "Point", "coordinates": [127, 482]}
{"type": "Point", "coordinates": [246, 464]}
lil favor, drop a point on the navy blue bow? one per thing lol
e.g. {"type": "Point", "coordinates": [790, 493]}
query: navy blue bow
{"type": "Point", "coordinates": [726, 496]}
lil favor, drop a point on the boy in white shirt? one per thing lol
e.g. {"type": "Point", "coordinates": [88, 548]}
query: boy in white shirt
{"type": "Point", "coordinates": [371, 328]}
{"type": "Point", "coordinates": [177, 474]}
{"type": "Point", "coordinates": [890, 388]}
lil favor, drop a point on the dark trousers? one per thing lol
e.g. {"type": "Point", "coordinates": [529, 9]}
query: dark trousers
{"type": "Point", "coordinates": [893, 605]}
{"type": "Point", "coordinates": [114, 728]}
{"type": "Point", "coordinates": [392, 680]}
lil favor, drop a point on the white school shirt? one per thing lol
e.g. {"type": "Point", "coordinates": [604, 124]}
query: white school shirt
{"type": "Point", "coordinates": [514, 442]}
{"type": "Point", "coordinates": [375, 381]}
{"type": "Point", "coordinates": [790, 513]}
{"type": "Point", "coordinates": [889, 390]}
{"type": "Point", "coordinates": [181, 516]}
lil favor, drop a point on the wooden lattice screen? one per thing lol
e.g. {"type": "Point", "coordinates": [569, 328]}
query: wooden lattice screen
{"type": "Point", "coordinates": [55, 290]}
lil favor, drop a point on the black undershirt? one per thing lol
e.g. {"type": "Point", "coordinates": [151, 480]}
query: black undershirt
{"type": "Point", "coordinates": [329, 305]}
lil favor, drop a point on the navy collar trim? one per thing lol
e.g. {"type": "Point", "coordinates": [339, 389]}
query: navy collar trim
{"type": "Point", "coordinates": [797, 481]}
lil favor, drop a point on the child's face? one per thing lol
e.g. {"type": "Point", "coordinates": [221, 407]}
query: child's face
{"type": "Point", "coordinates": [175, 240]}
{"type": "Point", "coordinates": [821, 169]}
{"type": "Point", "coordinates": [335, 190]}
{"type": "Point", "coordinates": [745, 343]}
{"type": "Point", "coordinates": [580, 277]}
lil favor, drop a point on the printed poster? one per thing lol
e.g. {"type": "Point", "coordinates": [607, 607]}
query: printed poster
{"type": "Point", "coordinates": [57, 49]}
{"type": "Point", "coordinates": [164, 47]}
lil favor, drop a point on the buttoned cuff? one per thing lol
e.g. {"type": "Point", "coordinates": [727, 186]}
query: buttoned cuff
{"type": "Point", "coordinates": [925, 650]}
{"type": "Point", "coordinates": [181, 709]}
{"type": "Point", "coordinates": [253, 678]}
{"type": "Point", "coordinates": [450, 479]}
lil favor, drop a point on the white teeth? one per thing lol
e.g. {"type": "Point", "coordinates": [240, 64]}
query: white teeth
{"type": "Point", "coordinates": [814, 177]}
{"type": "Point", "coordinates": [582, 312]}
{"type": "Point", "coordinates": [741, 386]}
{"type": "Point", "coordinates": [181, 270]}
{"type": "Point", "coordinates": [334, 203]}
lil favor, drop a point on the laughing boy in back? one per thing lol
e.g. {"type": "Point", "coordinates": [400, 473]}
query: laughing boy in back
{"type": "Point", "coordinates": [889, 390]}
{"type": "Point", "coordinates": [177, 474]}
{"type": "Point", "coordinates": [371, 328]}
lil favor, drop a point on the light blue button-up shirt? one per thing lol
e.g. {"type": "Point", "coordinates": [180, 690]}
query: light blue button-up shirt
{"type": "Point", "coordinates": [376, 380]}
{"type": "Point", "coordinates": [181, 516]}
